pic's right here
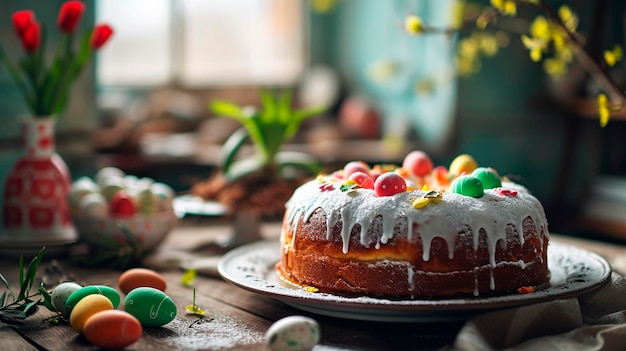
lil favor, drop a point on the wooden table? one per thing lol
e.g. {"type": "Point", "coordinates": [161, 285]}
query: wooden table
{"type": "Point", "coordinates": [236, 319]}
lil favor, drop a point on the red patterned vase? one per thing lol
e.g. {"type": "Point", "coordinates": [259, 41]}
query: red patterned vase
{"type": "Point", "coordinates": [35, 206]}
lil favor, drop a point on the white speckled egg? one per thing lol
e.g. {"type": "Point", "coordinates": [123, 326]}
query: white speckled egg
{"type": "Point", "coordinates": [108, 172]}
{"type": "Point", "coordinates": [293, 333]}
{"type": "Point", "coordinates": [94, 206]}
{"type": "Point", "coordinates": [60, 294]}
{"type": "Point", "coordinates": [164, 194]}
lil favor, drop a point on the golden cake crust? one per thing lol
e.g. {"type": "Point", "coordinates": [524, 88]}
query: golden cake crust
{"type": "Point", "coordinates": [398, 268]}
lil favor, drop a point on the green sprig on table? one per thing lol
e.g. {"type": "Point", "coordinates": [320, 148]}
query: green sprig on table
{"type": "Point", "coordinates": [15, 308]}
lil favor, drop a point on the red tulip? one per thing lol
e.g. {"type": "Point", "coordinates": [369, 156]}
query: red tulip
{"type": "Point", "coordinates": [31, 37]}
{"type": "Point", "coordinates": [101, 33]}
{"type": "Point", "coordinates": [22, 20]}
{"type": "Point", "coordinates": [69, 15]}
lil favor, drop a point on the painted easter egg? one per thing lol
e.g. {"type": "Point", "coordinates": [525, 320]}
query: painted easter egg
{"type": "Point", "coordinates": [122, 205]}
{"type": "Point", "coordinates": [293, 333]}
{"type": "Point", "coordinates": [462, 164]}
{"type": "Point", "coordinates": [86, 308]}
{"type": "Point", "coordinates": [488, 177]}
{"type": "Point", "coordinates": [147, 202]}
{"type": "Point", "coordinates": [468, 186]}
{"type": "Point", "coordinates": [112, 329]}
{"type": "Point", "coordinates": [140, 277]}
{"type": "Point", "coordinates": [94, 206]}
{"type": "Point", "coordinates": [110, 186]}
{"type": "Point", "coordinates": [418, 163]}
{"type": "Point", "coordinates": [152, 307]}
{"type": "Point", "coordinates": [108, 172]}
{"type": "Point", "coordinates": [81, 293]}
{"type": "Point", "coordinates": [81, 187]}
{"type": "Point", "coordinates": [60, 293]}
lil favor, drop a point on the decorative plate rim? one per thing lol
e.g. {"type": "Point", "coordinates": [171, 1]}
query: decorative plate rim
{"type": "Point", "coordinates": [574, 271]}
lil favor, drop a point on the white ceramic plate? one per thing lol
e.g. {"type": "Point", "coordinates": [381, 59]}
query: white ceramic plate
{"type": "Point", "coordinates": [574, 271]}
{"type": "Point", "coordinates": [194, 205]}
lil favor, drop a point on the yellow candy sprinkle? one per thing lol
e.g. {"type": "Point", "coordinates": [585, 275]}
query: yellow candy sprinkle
{"type": "Point", "coordinates": [425, 187]}
{"type": "Point", "coordinates": [420, 203]}
{"type": "Point", "coordinates": [311, 289]}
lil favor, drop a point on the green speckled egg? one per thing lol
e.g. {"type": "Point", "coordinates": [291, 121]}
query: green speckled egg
{"type": "Point", "coordinates": [79, 294]}
{"type": "Point", "coordinates": [152, 307]}
{"type": "Point", "coordinates": [488, 177]}
{"type": "Point", "coordinates": [468, 186]}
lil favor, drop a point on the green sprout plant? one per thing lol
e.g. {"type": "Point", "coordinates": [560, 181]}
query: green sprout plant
{"type": "Point", "coordinates": [15, 308]}
{"type": "Point", "coordinates": [269, 129]}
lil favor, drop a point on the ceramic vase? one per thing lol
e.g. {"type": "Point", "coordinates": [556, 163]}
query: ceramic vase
{"type": "Point", "coordinates": [35, 207]}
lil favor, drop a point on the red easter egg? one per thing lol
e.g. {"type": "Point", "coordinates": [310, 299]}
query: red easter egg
{"type": "Point", "coordinates": [122, 205]}
{"type": "Point", "coordinates": [389, 183]}
{"type": "Point", "coordinates": [418, 163]}
{"type": "Point", "coordinates": [112, 329]}
{"type": "Point", "coordinates": [355, 166]}
{"type": "Point", "coordinates": [363, 180]}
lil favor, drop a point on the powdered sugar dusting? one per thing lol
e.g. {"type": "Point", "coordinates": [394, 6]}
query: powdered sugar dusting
{"type": "Point", "coordinates": [212, 333]}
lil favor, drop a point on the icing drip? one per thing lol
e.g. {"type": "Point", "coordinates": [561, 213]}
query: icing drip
{"type": "Point", "coordinates": [453, 214]}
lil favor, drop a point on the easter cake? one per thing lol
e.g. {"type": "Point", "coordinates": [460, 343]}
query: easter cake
{"type": "Point", "coordinates": [414, 231]}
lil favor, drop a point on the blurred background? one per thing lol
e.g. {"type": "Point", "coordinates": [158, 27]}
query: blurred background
{"type": "Point", "coordinates": [142, 105]}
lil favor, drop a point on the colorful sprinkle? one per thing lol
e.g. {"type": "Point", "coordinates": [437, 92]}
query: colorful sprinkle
{"type": "Point", "coordinates": [505, 192]}
{"type": "Point", "coordinates": [327, 187]}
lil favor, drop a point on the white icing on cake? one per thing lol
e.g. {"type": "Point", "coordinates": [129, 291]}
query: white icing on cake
{"type": "Point", "coordinates": [453, 214]}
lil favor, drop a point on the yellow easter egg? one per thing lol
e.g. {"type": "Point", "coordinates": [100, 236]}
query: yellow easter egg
{"type": "Point", "coordinates": [87, 307]}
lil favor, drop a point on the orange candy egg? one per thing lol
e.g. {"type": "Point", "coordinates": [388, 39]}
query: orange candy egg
{"type": "Point", "coordinates": [112, 329]}
{"type": "Point", "coordinates": [140, 277]}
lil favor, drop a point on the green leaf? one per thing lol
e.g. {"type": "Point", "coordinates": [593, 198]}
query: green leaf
{"type": "Point", "coordinates": [228, 109]}
{"type": "Point", "coordinates": [232, 146]}
{"type": "Point", "coordinates": [47, 299]}
{"type": "Point", "coordinates": [298, 159]}
{"type": "Point", "coordinates": [269, 106]}
{"type": "Point", "coordinates": [27, 283]}
{"type": "Point", "coordinates": [244, 167]}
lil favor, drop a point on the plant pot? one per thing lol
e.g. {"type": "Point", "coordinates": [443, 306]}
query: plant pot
{"type": "Point", "coordinates": [35, 207]}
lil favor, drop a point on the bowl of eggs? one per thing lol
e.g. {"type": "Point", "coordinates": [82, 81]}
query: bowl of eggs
{"type": "Point", "coordinates": [115, 209]}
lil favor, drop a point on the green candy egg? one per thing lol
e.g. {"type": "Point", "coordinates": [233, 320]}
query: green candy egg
{"type": "Point", "coordinates": [79, 294]}
{"type": "Point", "coordinates": [488, 177]}
{"type": "Point", "coordinates": [468, 186]}
{"type": "Point", "coordinates": [152, 307]}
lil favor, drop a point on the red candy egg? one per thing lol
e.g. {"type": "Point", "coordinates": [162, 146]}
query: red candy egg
{"type": "Point", "coordinates": [389, 183]}
{"type": "Point", "coordinates": [355, 166]}
{"type": "Point", "coordinates": [363, 180]}
{"type": "Point", "coordinates": [418, 163]}
{"type": "Point", "coordinates": [122, 205]}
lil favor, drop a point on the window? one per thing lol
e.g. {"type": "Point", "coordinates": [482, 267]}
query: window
{"type": "Point", "coordinates": [202, 43]}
